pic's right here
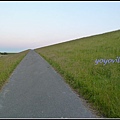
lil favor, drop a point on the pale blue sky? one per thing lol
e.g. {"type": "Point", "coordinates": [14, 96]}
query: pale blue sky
{"type": "Point", "coordinates": [30, 25]}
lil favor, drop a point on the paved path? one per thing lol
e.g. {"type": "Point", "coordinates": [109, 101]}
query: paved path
{"type": "Point", "coordinates": [36, 90]}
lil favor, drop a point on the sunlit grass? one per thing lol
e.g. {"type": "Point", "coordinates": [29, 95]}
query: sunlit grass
{"type": "Point", "coordinates": [7, 64]}
{"type": "Point", "coordinates": [75, 60]}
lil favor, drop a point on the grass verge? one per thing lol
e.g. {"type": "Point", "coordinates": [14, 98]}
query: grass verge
{"type": "Point", "coordinates": [7, 64]}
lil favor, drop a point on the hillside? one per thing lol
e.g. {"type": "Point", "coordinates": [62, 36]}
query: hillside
{"type": "Point", "coordinates": [91, 66]}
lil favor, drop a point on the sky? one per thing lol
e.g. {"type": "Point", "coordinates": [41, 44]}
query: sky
{"type": "Point", "coordinates": [31, 25]}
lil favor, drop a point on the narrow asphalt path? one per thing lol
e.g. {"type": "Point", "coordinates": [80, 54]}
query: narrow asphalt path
{"type": "Point", "coordinates": [36, 90]}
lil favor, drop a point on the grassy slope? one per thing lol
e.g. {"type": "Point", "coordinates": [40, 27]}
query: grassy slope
{"type": "Point", "coordinates": [75, 60]}
{"type": "Point", "coordinates": [8, 64]}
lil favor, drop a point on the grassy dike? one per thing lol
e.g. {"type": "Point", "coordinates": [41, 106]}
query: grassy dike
{"type": "Point", "coordinates": [8, 64]}
{"type": "Point", "coordinates": [75, 61]}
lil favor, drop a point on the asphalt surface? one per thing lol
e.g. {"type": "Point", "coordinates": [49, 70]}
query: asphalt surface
{"type": "Point", "coordinates": [36, 90]}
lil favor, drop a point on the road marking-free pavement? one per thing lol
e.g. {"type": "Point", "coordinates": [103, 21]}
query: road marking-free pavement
{"type": "Point", "coordinates": [36, 90]}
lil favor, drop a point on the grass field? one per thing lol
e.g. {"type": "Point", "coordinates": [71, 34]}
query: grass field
{"type": "Point", "coordinates": [7, 64]}
{"type": "Point", "coordinates": [75, 61]}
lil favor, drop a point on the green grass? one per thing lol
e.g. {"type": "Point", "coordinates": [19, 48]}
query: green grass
{"type": "Point", "coordinates": [7, 64]}
{"type": "Point", "coordinates": [75, 61]}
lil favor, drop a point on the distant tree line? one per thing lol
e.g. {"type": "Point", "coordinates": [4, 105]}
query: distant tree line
{"type": "Point", "coordinates": [4, 53]}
